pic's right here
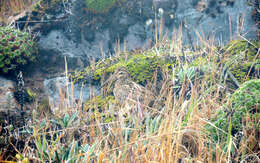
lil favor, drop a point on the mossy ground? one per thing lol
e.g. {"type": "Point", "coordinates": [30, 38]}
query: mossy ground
{"type": "Point", "coordinates": [142, 68]}
{"type": "Point", "coordinates": [245, 102]}
{"type": "Point", "coordinates": [243, 59]}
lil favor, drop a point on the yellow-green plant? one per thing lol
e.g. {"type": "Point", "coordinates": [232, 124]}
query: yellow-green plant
{"type": "Point", "coordinates": [243, 59]}
{"type": "Point", "coordinates": [30, 95]}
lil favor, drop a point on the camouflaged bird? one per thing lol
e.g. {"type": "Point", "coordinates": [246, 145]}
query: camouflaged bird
{"type": "Point", "coordinates": [125, 90]}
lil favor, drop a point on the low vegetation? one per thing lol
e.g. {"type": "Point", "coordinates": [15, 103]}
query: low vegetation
{"type": "Point", "coordinates": [17, 48]}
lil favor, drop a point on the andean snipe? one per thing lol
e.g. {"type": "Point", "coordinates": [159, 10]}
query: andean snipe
{"type": "Point", "coordinates": [126, 91]}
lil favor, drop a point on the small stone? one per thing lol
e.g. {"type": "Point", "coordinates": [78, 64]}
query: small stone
{"type": "Point", "coordinates": [7, 99]}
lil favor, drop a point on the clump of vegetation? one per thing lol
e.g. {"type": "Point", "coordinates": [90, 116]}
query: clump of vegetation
{"type": "Point", "coordinates": [98, 108]}
{"type": "Point", "coordinates": [246, 102]}
{"type": "Point", "coordinates": [243, 59]}
{"type": "Point", "coordinates": [43, 107]}
{"type": "Point", "coordinates": [242, 116]}
{"type": "Point", "coordinates": [101, 6]}
{"type": "Point", "coordinates": [142, 67]}
{"type": "Point", "coordinates": [98, 102]}
{"type": "Point", "coordinates": [17, 48]}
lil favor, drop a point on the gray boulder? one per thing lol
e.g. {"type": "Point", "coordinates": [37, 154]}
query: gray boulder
{"type": "Point", "coordinates": [58, 88]}
{"type": "Point", "coordinates": [7, 100]}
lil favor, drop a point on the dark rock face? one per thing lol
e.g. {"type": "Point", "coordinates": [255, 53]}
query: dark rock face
{"type": "Point", "coordinates": [256, 15]}
{"type": "Point", "coordinates": [217, 18]}
{"type": "Point", "coordinates": [81, 33]}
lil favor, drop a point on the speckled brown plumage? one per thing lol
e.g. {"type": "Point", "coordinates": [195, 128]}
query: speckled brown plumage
{"type": "Point", "coordinates": [126, 90]}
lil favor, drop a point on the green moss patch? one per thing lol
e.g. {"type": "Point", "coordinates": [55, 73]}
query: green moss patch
{"type": "Point", "coordinates": [243, 59]}
{"type": "Point", "coordinates": [246, 100]}
{"type": "Point", "coordinates": [140, 66]}
{"type": "Point", "coordinates": [101, 6]}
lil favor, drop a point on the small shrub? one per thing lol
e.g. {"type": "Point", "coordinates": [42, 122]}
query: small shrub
{"type": "Point", "coordinates": [246, 100]}
{"type": "Point", "coordinates": [245, 104]}
{"type": "Point", "coordinates": [17, 48]}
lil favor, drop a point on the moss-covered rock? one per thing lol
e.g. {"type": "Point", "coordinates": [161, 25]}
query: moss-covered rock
{"type": "Point", "coordinates": [17, 48]}
{"type": "Point", "coordinates": [140, 66]}
{"type": "Point", "coordinates": [243, 59]}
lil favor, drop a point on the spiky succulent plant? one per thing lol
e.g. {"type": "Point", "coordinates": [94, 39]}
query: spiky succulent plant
{"type": "Point", "coordinates": [17, 48]}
